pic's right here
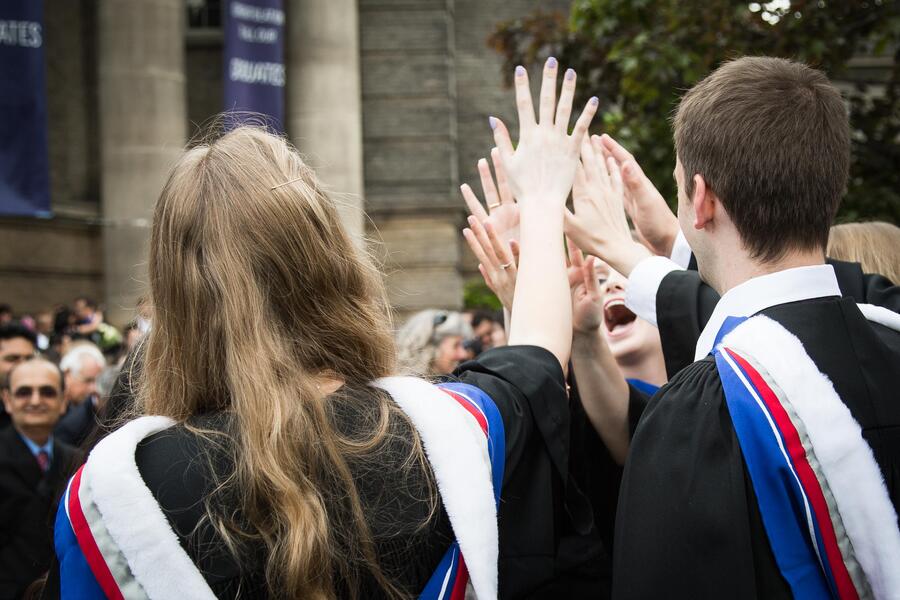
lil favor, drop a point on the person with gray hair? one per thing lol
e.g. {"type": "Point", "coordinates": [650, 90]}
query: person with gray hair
{"type": "Point", "coordinates": [431, 342]}
{"type": "Point", "coordinates": [81, 366]}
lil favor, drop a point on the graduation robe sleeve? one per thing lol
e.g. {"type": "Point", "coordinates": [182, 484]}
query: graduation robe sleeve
{"type": "Point", "coordinates": [687, 519]}
{"type": "Point", "coordinates": [685, 303]}
{"type": "Point", "coordinates": [540, 504]}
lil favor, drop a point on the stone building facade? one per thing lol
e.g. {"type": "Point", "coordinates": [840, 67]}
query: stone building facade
{"type": "Point", "coordinates": [388, 99]}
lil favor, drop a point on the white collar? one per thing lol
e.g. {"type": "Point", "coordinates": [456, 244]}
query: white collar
{"type": "Point", "coordinates": [759, 293]}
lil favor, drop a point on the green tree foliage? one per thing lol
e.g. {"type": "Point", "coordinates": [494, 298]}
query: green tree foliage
{"type": "Point", "coordinates": [639, 56]}
{"type": "Point", "coordinates": [476, 294]}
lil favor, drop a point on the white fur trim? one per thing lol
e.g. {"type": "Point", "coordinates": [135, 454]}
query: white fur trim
{"type": "Point", "coordinates": [879, 314]}
{"type": "Point", "coordinates": [457, 450]}
{"type": "Point", "coordinates": [844, 456]}
{"type": "Point", "coordinates": [135, 520]}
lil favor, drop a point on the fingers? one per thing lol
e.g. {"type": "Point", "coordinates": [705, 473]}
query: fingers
{"type": "Point", "coordinates": [615, 176]}
{"type": "Point", "coordinates": [491, 197]}
{"type": "Point", "coordinates": [591, 282]}
{"type": "Point", "coordinates": [576, 259]}
{"type": "Point", "coordinates": [501, 136]}
{"type": "Point", "coordinates": [615, 149]}
{"type": "Point", "coordinates": [548, 93]}
{"type": "Point", "coordinates": [523, 99]}
{"type": "Point", "coordinates": [600, 159]}
{"type": "Point", "coordinates": [592, 170]}
{"type": "Point", "coordinates": [476, 247]}
{"type": "Point", "coordinates": [474, 206]}
{"type": "Point", "coordinates": [501, 250]}
{"type": "Point", "coordinates": [506, 194]}
{"type": "Point", "coordinates": [579, 186]}
{"type": "Point", "coordinates": [486, 247]}
{"type": "Point", "coordinates": [582, 124]}
{"type": "Point", "coordinates": [566, 96]}
{"type": "Point", "coordinates": [514, 248]}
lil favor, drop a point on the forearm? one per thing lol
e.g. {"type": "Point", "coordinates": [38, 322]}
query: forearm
{"type": "Point", "coordinates": [542, 307]}
{"type": "Point", "coordinates": [603, 391]}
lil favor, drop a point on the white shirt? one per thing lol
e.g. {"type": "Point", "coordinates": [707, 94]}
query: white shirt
{"type": "Point", "coordinates": [759, 293]}
{"type": "Point", "coordinates": [645, 279]}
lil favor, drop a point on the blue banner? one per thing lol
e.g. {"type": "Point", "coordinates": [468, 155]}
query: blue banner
{"type": "Point", "coordinates": [24, 163]}
{"type": "Point", "coordinates": [254, 59]}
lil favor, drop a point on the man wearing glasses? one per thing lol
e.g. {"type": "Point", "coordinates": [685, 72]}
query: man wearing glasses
{"type": "Point", "coordinates": [33, 471]}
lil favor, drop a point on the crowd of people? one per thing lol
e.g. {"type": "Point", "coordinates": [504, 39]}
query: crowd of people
{"type": "Point", "coordinates": [689, 405]}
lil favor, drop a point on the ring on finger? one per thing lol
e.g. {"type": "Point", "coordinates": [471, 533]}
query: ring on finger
{"type": "Point", "coordinates": [506, 266]}
{"type": "Point", "coordinates": [494, 205]}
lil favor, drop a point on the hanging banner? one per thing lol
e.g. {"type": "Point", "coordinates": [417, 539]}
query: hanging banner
{"type": "Point", "coordinates": [24, 164]}
{"type": "Point", "coordinates": [254, 60]}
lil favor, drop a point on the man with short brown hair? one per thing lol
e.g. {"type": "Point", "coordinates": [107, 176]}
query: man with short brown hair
{"type": "Point", "coordinates": [735, 486]}
{"type": "Point", "coordinates": [33, 469]}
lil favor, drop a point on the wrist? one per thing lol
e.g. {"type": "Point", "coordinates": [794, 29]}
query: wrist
{"type": "Point", "coordinates": [624, 256]}
{"type": "Point", "coordinates": [666, 243]}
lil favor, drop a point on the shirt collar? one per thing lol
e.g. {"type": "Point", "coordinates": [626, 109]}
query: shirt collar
{"type": "Point", "coordinates": [760, 293]}
{"type": "Point", "coordinates": [35, 449]}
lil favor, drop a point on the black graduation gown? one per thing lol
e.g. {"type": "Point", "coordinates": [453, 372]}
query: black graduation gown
{"type": "Point", "coordinates": [684, 304]}
{"type": "Point", "coordinates": [688, 525]}
{"type": "Point", "coordinates": [547, 545]}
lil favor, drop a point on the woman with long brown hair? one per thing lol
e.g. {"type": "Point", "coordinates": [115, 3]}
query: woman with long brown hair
{"type": "Point", "coordinates": [277, 454]}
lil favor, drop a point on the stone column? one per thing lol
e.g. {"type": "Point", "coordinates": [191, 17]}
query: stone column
{"type": "Point", "coordinates": [324, 114]}
{"type": "Point", "coordinates": [142, 132]}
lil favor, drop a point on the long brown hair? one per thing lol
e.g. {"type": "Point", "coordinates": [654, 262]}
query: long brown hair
{"type": "Point", "coordinates": [257, 290]}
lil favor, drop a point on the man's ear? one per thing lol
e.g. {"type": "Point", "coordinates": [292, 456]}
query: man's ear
{"type": "Point", "coordinates": [703, 203]}
{"type": "Point", "coordinates": [6, 400]}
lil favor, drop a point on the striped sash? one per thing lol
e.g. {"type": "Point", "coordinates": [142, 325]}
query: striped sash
{"type": "Point", "coordinates": [113, 540]}
{"type": "Point", "coordinates": [824, 505]}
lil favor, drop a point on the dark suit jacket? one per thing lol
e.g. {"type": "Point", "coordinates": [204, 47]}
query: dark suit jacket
{"type": "Point", "coordinates": [77, 424]}
{"type": "Point", "coordinates": [684, 304]}
{"type": "Point", "coordinates": [28, 500]}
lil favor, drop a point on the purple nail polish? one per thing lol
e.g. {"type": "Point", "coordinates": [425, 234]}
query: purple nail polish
{"type": "Point", "coordinates": [570, 74]}
{"type": "Point", "coordinates": [493, 122]}
{"type": "Point", "coordinates": [551, 62]}
{"type": "Point", "coordinates": [594, 101]}
{"type": "Point", "coordinates": [520, 71]}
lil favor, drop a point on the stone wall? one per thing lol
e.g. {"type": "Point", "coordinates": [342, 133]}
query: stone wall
{"type": "Point", "coordinates": [47, 261]}
{"type": "Point", "coordinates": [429, 83]}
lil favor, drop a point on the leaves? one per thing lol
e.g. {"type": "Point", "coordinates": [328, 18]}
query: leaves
{"type": "Point", "coordinates": [639, 56]}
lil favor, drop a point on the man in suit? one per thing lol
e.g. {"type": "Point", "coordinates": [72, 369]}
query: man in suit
{"type": "Point", "coordinates": [81, 366]}
{"type": "Point", "coordinates": [33, 470]}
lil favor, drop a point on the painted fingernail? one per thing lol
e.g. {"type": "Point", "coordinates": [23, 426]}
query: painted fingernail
{"type": "Point", "coordinates": [482, 162]}
{"type": "Point", "coordinates": [570, 74]}
{"type": "Point", "coordinates": [471, 220]}
{"type": "Point", "coordinates": [493, 122]}
{"type": "Point", "coordinates": [594, 101]}
{"type": "Point", "coordinates": [520, 71]}
{"type": "Point", "coordinates": [551, 62]}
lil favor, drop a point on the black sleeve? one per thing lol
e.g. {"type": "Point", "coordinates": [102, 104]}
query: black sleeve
{"type": "Point", "coordinates": [528, 387]}
{"type": "Point", "coordinates": [879, 290]}
{"type": "Point", "coordinates": [682, 523]}
{"type": "Point", "coordinates": [684, 304]}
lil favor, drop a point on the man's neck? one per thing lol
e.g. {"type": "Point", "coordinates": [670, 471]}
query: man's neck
{"type": "Point", "coordinates": [740, 268]}
{"type": "Point", "coordinates": [38, 436]}
{"type": "Point", "coordinates": [651, 369]}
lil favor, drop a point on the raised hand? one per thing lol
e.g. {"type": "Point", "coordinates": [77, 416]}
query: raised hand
{"type": "Point", "coordinates": [541, 169]}
{"type": "Point", "coordinates": [542, 165]}
{"type": "Point", "coordinates": [598, 225]}
{"type": "Point", "coordinates": [502, 211]}
{"type": "Point", "coordinates": [655, 224]}
{"type": "Point", "coordinates": [496, 259]}
{"type": "Point", "coordinates": [587, 313]}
